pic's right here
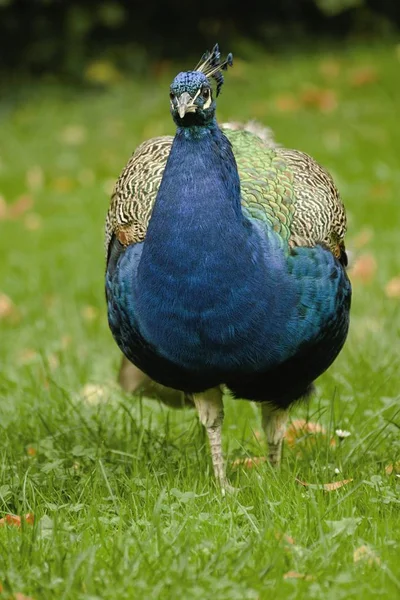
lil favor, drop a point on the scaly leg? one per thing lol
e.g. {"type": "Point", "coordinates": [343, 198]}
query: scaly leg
{"type": "Point", "coordinates": [211, 413]}
{"type": "Point", "coordinates": [274, 425]}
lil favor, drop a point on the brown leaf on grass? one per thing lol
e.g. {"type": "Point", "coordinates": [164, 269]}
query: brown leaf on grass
{"type": "Point", "coordinates": [73, 135]}
{"type": "Point", "coordinates": [280, 536]}
{"type": "Point", "coordinates": [330, 68]}
{"type": "Point", "coordinates": [364, 268]}
{"type": "Point", "coordinates": [393, 468]}
{"type": "Point", "coordinates": [392, 288]}
{"type": "Point", "coordinates": [53, 361]}
{"type": "Point", "coordinates": [32, 222]}
{"type": "Point", "coordinates": [287, 103]}
{"type": "Point", "coordinates": [301, 430]}
{"type": "Point", "coordinates": [16, 520]}
{"type": "Point", "coordinates": [34, 178]}
{"type": "Point", "coordinates": [363, 76]}
{"type": "Point", "coordinates": [366, 554]}
{"type": "Point", "coordinates": [8, 310]}
{"type": "Point", "coordinates": [335, 485]}
{"type": "Point", "coordinates": [93, 393]}
{"type": "Point", "coordinates": [19, 596]}
{"type": "Point", "coordinates": [258, 434]}
{"type": "Point", "coordinates": [363, 238]}
{"type": "Point", "coordinates": [6, 306]}
{"type": "Point", "coordinates": [31, 451]}
{"type": "Point", "coordinates": [20, 206]}
{"type": "Point", "coordinates": [63, 184]}
{"type": "Point", "coordinates": [90, 313]}
{"type": "Point", "coordinates": [380, 190]}
{"type": "Point", "coordinates": [65, 341]}
{"type": "Point", "coordinates": [327, 487]}
{"type": "Point", "coordinates": [296, 575]}
{"type": "Point", "coordinates": [3, 209]}
{"type": "Point", "coordinates": [249, 462]}
{"type": "Point", "coordinates": [324, 100]}
{"type": "Point", "coordinates": [26, 356]}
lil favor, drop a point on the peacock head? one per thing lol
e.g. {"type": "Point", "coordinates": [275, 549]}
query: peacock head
{"type": "Point", "coordinates": [191, 93]}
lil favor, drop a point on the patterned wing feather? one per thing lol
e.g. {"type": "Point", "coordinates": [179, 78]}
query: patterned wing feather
{"type": "Point", "coordinates": [285, 189]}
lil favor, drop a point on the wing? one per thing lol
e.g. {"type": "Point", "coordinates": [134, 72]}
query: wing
{"type": "Point", "coordinates": [285, 189]}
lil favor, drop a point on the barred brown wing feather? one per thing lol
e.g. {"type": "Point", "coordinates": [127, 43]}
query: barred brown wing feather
{"type": "Point", "coordinates": [135, 192]}
{"type": "Point", "coordinates": [286, 189]}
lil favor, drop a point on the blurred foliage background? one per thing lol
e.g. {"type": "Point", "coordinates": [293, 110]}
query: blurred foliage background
{"type": "Point", "coordinates": [67, 38]}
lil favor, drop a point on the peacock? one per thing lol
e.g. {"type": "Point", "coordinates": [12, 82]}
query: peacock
{"type": "Point", "coordinates": [226, 265]}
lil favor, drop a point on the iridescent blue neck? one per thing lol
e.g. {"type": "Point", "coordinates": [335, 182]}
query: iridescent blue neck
{"type": "Point", "coordinates": [199, 131]}
{"type": "Point", "coordinates": [198, 202]}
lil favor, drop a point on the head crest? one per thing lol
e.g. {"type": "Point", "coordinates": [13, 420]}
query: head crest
{"type": "Point", "coordinates": [211, 66]}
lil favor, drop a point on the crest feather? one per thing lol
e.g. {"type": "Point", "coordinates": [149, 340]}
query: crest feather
{"type": "Point", "coordinates": [210, 64]}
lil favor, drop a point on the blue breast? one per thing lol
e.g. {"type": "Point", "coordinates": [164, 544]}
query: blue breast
{"type": "Point", "coordinates": [210, 298]}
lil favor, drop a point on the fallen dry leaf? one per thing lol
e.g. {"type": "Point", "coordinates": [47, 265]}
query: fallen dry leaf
{"type": "Point", "coordinates": [32, 222]}
{"type": "Point", "coordinates": [364, 268]}
{"type": "Point", "coordinates": [327, 487]}
{"type": "Point", "coordinates": [302, 431]}
{"type": "Point", "coordinates": [366, 554]}
{"type": "Point", "coordinates": [324, 100]}
{"type": "Point", "coordinates": [66, 341]}
{"type": "Point", "coordinates": [34, 178]}
{"type": "Point", "coordinates": [259, 435]}
{"type": "Point", "coordinates": [86, 177]}
{"type": "Point", "coordinates": [284, 537]}
{"type": "Point", "coordinates": [393, 468]}
{"type": "Point", "coordinates": [329, 68]}
{"type": "Point", "coordinates": [20, 206]}
{"type": "Point", "coordinates": [63, 184]}
{"type": "Point", "coordinates": [363, 76]}
{"type": "Point", "coordinates": [90, 313]}
{"type": "Point", "coordinates": [26, 356]}
{"type": "Point", "coordinates": [7, 307]}
{"type": "Point", "coordinates": [380, 190]}
{"type": "Point", "coordinates": [363, 238]}
{"type": "Point", "coordinates": [249, 462]}
{"type": "Point", "coordinates": [392, 288]}
{"type": "Point", "coordinates": [73, 135]}
{"type": "Point", "coordinates": [93, 393]}
{"type": "Point", "coordinates": [16, 520]}
{"type": "Point", "coordinates": [287, 103]}
{"type": "Point", "coordinates": [330, 487]}
{"type": "Point", "coordinates": [3, 209]}
{"type": "Point", "coordinates": [19, 596]}
{"type": "Point", "coordinates": [53, 361]}
{"type": "Point", "coordinates": [296, 575]}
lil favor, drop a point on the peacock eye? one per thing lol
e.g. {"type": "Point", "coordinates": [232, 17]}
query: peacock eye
{"type": "Point", "coordinates": [171, 96]}
{"type": "Point", "coordinates": [206, 93]}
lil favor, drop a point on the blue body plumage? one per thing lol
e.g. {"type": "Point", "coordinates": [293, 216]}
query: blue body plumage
{"type": "Point", "coordinates": [213, 297]}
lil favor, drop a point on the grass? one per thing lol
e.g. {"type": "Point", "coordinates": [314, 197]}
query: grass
{"type": "Point", "coordinates": [121, 488]}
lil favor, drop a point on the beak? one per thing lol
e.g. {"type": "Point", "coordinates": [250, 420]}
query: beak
{"type": "Point", "coordinates": [185, 104]}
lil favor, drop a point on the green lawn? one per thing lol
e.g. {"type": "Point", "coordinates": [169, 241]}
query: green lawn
{"type": "Point", "coordinates": [121, 489]}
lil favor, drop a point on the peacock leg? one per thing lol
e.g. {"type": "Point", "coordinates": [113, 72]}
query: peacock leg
{"type": "Point", "coordinates": [274, 425]}
{"type": "Point", "coordinates": [211, 414]}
